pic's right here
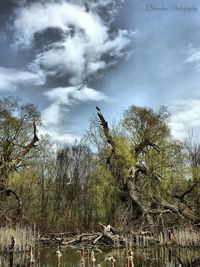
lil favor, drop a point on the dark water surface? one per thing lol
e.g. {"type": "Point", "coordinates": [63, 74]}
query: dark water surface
{"type": "Point", "coordinates": [150, 257]}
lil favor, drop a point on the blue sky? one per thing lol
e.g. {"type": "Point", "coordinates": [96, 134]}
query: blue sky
{"type": "Point", "coordinates": [69, 56]}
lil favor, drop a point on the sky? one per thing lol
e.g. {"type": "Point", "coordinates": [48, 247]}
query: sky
{"type": "Point", "coordinates": [68, 56]}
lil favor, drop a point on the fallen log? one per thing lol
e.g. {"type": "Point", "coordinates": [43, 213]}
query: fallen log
{"type": "Point", "coordinates": [104, 238]}
{"type": "Point", "coordinates": [97, 239]}
{"type": "Point", "coordinates": [81, 238]}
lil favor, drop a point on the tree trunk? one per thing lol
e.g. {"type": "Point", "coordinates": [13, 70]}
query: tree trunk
{"type": "Point", "coordinates": [138, 203]}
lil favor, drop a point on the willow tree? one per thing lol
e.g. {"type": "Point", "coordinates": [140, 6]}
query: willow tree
{"type": "Point", "coordinates": [17, 138]}
{"type": "Point", "coordinates": [156, 157]}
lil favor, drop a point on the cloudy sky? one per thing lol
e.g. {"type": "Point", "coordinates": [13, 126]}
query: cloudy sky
{"type": "Point", "coordinates": [67, 56]}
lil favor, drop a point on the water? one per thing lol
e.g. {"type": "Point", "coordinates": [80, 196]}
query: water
{"type": "Point", "coordinates": [151, 257]}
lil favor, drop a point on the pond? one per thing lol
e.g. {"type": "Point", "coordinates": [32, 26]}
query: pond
{"type": "Point", "coordinates": [149, 257]}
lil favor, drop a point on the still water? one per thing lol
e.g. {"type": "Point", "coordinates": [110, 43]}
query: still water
{"type": "Point", "coordinates": [151, 257]}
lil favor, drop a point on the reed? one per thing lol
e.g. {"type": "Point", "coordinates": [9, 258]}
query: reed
{"type": "Point", "coordinates": [11, 251]}
{"type": "Point", "coordinates": [82, 258]}
{"type": "Point", "coordinates": [93, 259]}
{"type": "Point", "coordinates": [182, 237]}
{"type": "Point", "coordinates": [88, 257]}
{"type": "Point", "coordinates": [31, 259]}
{"type": "Point", "coordinates": [111, 260]}
{"type": "Point", "coordinates": [24, 236]}
{"type": "Point", "coordinates": [129, 256]}
{"type": "Point", "coordinates": [140, 239]}
{"type": "Point", "coordinates": [59, 255]}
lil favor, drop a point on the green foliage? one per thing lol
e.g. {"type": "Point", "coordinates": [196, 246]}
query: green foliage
{"type": "Point", "coordinates": [105, 195]}
{"type": "Point", "coordinates": [72, 186]}
{"type": "Point", "coordinates": [25, 184]}
{"type": "Point", "coordinates": [146, 124]}
{"type": "Point", "coordinates": [16, 131]}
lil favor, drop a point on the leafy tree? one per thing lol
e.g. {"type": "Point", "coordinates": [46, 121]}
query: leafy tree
{"type": "Point", "coordinates": [17, 139]}
{"type": "Point", "coordinates": [157, 159]}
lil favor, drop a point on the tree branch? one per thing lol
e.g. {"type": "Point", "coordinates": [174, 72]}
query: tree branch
{"type": "Point", "coordinates": [181, 198]}
{"type": "Point", "coordinates": [144, 144]}
{"type": "Point", "coordinates": [108, 136]}
{"type": "Point", "coordinates": [13, 164]}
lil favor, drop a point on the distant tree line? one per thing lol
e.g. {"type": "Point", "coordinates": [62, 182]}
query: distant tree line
{"type": "Point", "coordinates": [133, 172]}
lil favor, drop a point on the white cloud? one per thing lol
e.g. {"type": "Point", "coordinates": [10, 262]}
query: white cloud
{"type": "Point", "coordinates": [61, 15]}
{"type": "Point", "coordinates": [11, 78]}
{"type": "Point", "coordinates": [193, 57]}
{"type": "Point", "coordinates": [59, 137]}
{"type": "Point", "coordinates": [86, 38]}
{"type": "Point", "coordinates": [64, 97]}
{"type": "Point", "coordinates": [116, 45]}
{"type": "Point", "coordinates": [67, 57]}
{"type": "Point", "coordinates": [185, 115]}
{"type": "Point", "coordinates": [87, 46]}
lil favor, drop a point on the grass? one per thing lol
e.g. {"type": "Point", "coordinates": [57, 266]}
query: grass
{"type": "Point", "coordinates": [24, 237]}
{"type": "Point", "coordinates": [182, 237]}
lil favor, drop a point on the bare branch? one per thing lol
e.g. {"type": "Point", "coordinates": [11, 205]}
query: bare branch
{"type": "Point", "coordinates": [181, 198]}
{"type": "Point", "coordinates": [27, 148]}
{"type": "Point", "coordinates": [144, 144]}
{"type": "Point", "coordinates": [108, 136]}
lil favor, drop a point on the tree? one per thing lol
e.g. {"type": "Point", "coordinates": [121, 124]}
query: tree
{"type": "Point", "coordinates": [17, 138]}
{"type": "Point", "coordinates": [73, 169]}
{"type": "Point", "coordinates": [155, 155]}
{"type": "Point", "coordinates": [192, 147]}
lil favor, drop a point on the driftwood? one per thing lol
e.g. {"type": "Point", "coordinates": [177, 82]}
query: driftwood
{"type": "Point", "coordinates": [97, 239]}
{"type": "Point", "coordinates": [105, 237]}
{"type": "Point", "coordinates": [81, 238]}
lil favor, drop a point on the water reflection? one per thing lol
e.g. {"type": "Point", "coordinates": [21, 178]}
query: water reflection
{"type": "Point", "coordinates": [149, 257]}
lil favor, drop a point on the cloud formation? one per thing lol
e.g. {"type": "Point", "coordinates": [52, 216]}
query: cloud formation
{"type": "Point", "coordinates": [62, 98]}
{"type": "Point", "coordinates": [194, 57]}
{"type": "Point", "coordinates": [63, 15]}
{"type": "Point", "coordinates": [87, 45]}
{"type": "Point", "coordinates": [11, 79]}
{"type": "Point", "coordinates": [185, 116]}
